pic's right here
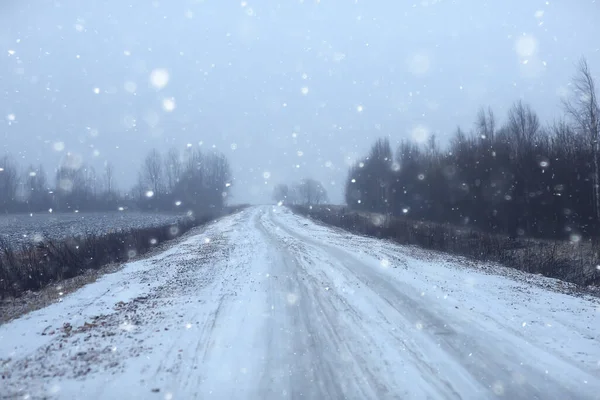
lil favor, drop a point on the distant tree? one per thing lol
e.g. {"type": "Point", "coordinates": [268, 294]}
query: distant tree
{"type": "Point", "coordinates": [75, 187]}
{"type": "Point", "coordinates": [280, 193]}
{"type": "Point", "coordinates": [293, 196]}
{"type": "Point", "coordinates": [9, 183]}
{"type": "Point", "coordinates": [486, 124]}
{"type": "Point", "coordinates": [518, 179]}
{"type": "Point", "coordinates": [91, 183]}
{"type": "Point", "coordinates": [204, 182]}
{"type": "Point", "coordinates": [37, 190]}
{"type": "Point", "coordinates": [173, 169]}
{"type": "Point", "coordinates": [217, 180]}
{"type": "Point", "coordinates": [370, 183]}
{"type": "Point", "coordinates": [138, 191]}
{"type": "Point", "coordinates": [109, 178]}
{"type": "Point", "coordinates": [311, 192]}
{"type": "Point", "coordinates": [584, 110]}
{"type": "Point", "coordinates": [523, 128]}
{"type": "Point", "coordinates": [152, 173]}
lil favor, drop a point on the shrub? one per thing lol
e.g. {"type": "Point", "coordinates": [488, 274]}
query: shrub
{"type": "Point", "coordinates": [32, 267]}
{"type": "Point", "coordinates": [571, 262]}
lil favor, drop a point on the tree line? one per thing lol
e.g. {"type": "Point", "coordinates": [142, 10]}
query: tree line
{"type": "Point", "coordinates": [517, 178]}
{"type": "Point", "coordinates": [307, 192]}
{"type": "Point", "coordinates": [190, 180]}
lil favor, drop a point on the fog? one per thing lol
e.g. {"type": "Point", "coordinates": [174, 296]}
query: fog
{"type": "Point", "coordinates": [286, 89]}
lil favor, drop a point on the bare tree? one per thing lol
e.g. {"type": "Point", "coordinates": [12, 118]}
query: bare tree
{"type": "Point", "coordinates": [584, 110]}
{"type": "Point", "coordinates": [137, 192]}
{"type": "Point", "coordinates": [109, 178]}
{"type": "Point", "coordinates": [36, 186]}
{"type": "Point", "coordinates": [280, 193]}
{"type": "Point", "coordinates": [9, 182]}
{"type": "Point", "coordinates": [152, 172]}
{"type": "Point", "coordinates": [204, 183]}
{"type": "Point", "coordinates": [91, 182]}
{"type": "Point", "coordinates": [173, 169]}
{"type": "Point", "coordinates": [523, 125]}
{"type": "Point", "coordinates": [486, 124]}
{"type": "Point", "coordinates": [311, 192]}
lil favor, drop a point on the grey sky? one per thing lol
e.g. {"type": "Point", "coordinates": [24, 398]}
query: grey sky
{"type": "Point", "coordinates": [265, 80]}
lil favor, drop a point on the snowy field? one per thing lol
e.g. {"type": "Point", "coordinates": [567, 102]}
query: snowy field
{"type": "Point", "coordinates": [25, 228]}
{"type": "Point", "coordinates": [265, 304]}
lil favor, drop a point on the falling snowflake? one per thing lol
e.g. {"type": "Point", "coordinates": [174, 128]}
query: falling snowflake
{"type": "Point", "coordinates": [159, 78]}
{"type": "Point", "coordinates": [420, 133]}
{"type": "Point", "coordinates": [168, 104]}
{"type": "Point", "coordinates": [526, 46]}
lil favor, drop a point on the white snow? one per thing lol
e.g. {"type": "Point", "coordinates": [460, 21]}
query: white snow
{"type": "Point", "coordinates": [23, 228]}
{"type": "Point", "coordinates": [265, 304]}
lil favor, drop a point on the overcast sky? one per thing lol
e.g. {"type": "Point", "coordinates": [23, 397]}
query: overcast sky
{"type": "Point", "coordinates": [285, 89]}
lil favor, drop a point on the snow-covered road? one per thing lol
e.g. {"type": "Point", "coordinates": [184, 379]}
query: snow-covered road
{"type": "Point", "coordinates": [265, 304]}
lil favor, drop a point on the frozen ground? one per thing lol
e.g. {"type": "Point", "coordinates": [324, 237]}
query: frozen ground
{"type": "Point", "coordinates": [268, 305]}
{"type": "Point", "coordinates": [25, 228]}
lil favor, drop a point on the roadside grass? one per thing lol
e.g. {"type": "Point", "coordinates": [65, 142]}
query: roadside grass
{"type": "Point", "coordinates": [574, 262]}
{"type": "Point", "coordinates": [31, 267]}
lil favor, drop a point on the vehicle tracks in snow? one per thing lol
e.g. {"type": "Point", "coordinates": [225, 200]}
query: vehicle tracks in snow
{"type": "Point", "coordinates": [265, 304]}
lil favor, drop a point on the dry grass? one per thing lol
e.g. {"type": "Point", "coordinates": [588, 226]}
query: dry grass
{"type": "Point", "coordinates": [14, 307]}
{"type": "Point", "coordinates": [564, 260]}
{"type": "Point", "coordinates": [34, 276]}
